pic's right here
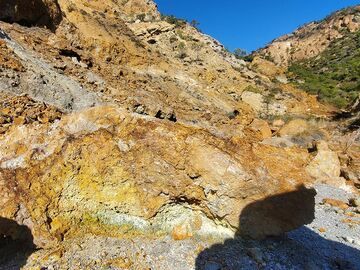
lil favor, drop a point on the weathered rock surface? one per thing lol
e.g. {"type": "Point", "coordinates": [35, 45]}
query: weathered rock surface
{"type": "Point", "coordinates": [325, 166]}
{"type": "Point", "coordinates": [89, 169]}
{"type": "Point", "coordinates": [294, 127]}
{"type": "Point", "coordinates": [311, 39]}
{"type": "Point", "coordinates": [117, 124]}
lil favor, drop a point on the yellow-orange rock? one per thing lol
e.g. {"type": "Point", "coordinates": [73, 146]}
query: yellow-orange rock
{"type": "Point", "coordinates": [294, 127]}
{"type": "Point", "coordinates": [104, 168]}
{"type": "Point", "coordinates": [263, 127]}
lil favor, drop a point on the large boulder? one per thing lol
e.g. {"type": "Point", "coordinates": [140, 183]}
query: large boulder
{"type": "Point", "coordinates": [109, 172]}
{"type": "Point", "coordinates": [262, 127]}
{"type": "Point", "coordinates": [325, 166]}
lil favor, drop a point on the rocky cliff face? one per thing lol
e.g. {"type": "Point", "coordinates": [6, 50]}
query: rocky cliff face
{"type": "Point", "coordinates": [313, 38]}
{"type": "Point", "coordinates": [321, 57]}
{"type": "Point", "coordinates": [115, 123]}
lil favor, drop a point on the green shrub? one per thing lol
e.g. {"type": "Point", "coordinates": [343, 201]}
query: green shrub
{"type": "Point", "coordinates": [173, 20]}
{"type": "Point", "coordinates": [334, 75]}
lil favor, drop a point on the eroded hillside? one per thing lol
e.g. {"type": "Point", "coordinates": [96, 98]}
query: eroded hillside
{"type": "Point", "coordinates": [117, 123]}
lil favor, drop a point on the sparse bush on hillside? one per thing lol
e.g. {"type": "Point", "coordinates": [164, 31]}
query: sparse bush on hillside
{"type": "Point", "coordinates": [240, 53]}
{"type": "Point", "coordinates": [181, 50]}
{"type": "Point", "coordinates": [334, 75]}
{"type": "Point", "coordinates": [195, 24]}
{"type": "Point", "coordinates": [243, 55]}
{"type": "Point", "coordinates": [141, 17]}
{"type": "Point", "coordinates": [173, 20]}
{"type": "Point", "coordinates": [251, 88]}
{"type": "Point", "coordinates": [180, 22]}
{"type": "Point", "coordinates": [183, 36]}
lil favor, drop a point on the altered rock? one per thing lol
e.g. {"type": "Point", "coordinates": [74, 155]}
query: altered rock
{"type": "Point", "coordinates": [325, 164]}
{"type": "Point", "coordinates": [263, 127]}
{"type": "Point", "coordinates": [109, 189]}
{"type": "Point", "coordinates": [313, 38]}
{"type": "Point", "coordinates": [294, 127]}
{"type": "Point", "coordinates": [255, 100]}
{"type": "Point", "coordinates": [117, 125]}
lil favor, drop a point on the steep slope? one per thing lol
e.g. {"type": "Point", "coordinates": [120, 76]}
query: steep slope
{"type": "Point", "coordinates": [313, 38]}
{"type": "Point", "coordinates": [117, 123]}
{"type": "Point", "coordinates": [334, 75]}
{"type": "Point", "coordinates": [322, 57]}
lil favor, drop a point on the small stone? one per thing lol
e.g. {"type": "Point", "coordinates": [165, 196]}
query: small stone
{"type": "Point", "coordinates": [19, 120]}
{"type": "Point", "coordinates": [355, 202]}
{"type": "Point", "coordinates": [335, 203]}
{"type": "Point", "coordinates": [140, 109]}
{"type": "Point", "coordinates": [262, 127]}
{"type": "Point", "coordinates": [322, 230]}
{"type": "Point", "coordinates": [349, 239]}
{"type": "Point", "coordinates": [61, 66]}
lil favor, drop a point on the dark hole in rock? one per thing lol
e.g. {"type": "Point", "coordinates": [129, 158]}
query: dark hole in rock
{"type": "Point", "coordinates": [31, 13]}
{"type": "Point", "coordinates": [312, 149]}
{"type": "Point", "coordinates": [151, 41]}
{"type": "Point", "coordinates": [355, 124]}
{"type": "Point", "coordinates": [345, 174]}
{"type": "Point", "coordinates": [70, 53]}
{"type": "Point", "coordinates": [233, 114]}
{"type": "Point", "coordinates": [160, 115]}
{"type": "Point", "coordinates": [172, 117]}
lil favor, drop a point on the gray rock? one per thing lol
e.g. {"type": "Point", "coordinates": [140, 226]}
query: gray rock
{"type": "Point", "coordinates": [3, 35]}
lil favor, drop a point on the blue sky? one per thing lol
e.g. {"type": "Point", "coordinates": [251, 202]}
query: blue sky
{"type": "Point", "coordinates": [253, 23]}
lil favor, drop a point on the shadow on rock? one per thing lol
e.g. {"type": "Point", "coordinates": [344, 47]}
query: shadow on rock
{"type": "Point", "coordinates": [31, 13]}
{"type": "Point", "coordinates": [16, 244]}
{"type": "Point", "coordinates": [269, 220]}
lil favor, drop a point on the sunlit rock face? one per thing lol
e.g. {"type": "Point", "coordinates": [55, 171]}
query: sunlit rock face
{"type": "Point", "coordinates": [116, 124]}
{"type": "Point", "coordinates": [111, 172]}
{"type": "Point", "coordinates": [313, 38]}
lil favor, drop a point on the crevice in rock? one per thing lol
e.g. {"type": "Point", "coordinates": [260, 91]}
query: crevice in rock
{"type": "Point", "coordinates": [162, 115]}
{"type": "Point", "coordinates": [151, 41]}
{"type": "Point", "coordinates": [70, 53]}
{"type": "Point", "coordinates": [233, 114]}
{"type": "Point", "coordinates": [312, 149]}
{"type": "Point", "coordinates": [184, 199]}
